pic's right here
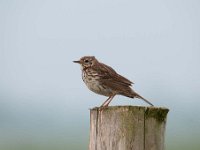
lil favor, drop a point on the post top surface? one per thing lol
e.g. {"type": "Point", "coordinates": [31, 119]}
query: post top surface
{"type": "Point", "coordinates": [159, 113]}
{"type": "Point", "coordinates": [132, 107]}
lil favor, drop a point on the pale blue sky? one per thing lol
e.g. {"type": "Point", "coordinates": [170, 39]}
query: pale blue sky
{"type": "Point", "coordinates": [156, 44]}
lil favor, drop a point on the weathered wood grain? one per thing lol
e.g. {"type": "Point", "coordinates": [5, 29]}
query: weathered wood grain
{"type": "Point", "coordinates": [127, 128]}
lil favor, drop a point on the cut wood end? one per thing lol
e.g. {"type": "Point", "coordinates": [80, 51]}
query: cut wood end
{"type": "Point", "coordinates": [131, 107]}
{"type": "Point", "coordinates": [118, 107]}
{"type": "Point", "coordinates": [159, 113]}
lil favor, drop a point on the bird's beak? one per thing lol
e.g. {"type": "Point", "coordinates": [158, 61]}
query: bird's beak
{"type": "Point", "coordinates": [77, 61]}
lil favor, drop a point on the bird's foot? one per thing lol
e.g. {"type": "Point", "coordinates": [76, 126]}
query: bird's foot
{"type": "Point", "coordinates": [102, 107]}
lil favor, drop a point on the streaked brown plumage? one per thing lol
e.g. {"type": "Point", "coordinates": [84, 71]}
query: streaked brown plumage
{"type": "Point", "coordinates": [104, 80]}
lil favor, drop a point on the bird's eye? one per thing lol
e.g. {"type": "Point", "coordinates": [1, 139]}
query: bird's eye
{"type": "Point", "coordinates": [86, 61]}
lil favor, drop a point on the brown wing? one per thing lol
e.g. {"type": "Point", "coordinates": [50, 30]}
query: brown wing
{"type": "Point", "coordinates": [120, 87]}
{"type": "Point", "coordinates": [112, 75]}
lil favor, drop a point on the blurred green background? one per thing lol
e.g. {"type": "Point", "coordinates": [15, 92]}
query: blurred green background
{"type": "Point", "coordinates": [43, 102]}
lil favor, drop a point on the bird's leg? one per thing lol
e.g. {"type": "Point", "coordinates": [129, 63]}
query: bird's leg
{"type": "Point", "coordinates": [105, 101]}
{"type": "Point", "coordinates": [108, 102]}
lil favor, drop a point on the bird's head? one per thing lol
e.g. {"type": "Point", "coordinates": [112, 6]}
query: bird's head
{"type": "Point", "coordinates": [86, 61]}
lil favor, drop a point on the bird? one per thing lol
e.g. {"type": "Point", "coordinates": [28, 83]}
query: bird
{"type": "Point", "coordinates": [104, 80]}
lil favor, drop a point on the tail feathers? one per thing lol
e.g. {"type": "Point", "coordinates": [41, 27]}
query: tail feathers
{"type": "Point", "coordinates": [132, 94]}
{"type": "Point", "coordinates": [140, 97]}
{"type": "Point", "coordinates": [135, 95]}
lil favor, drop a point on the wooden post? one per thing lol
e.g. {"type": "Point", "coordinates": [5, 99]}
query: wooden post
{"type": "Point", "coordinates": [127, 128]}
